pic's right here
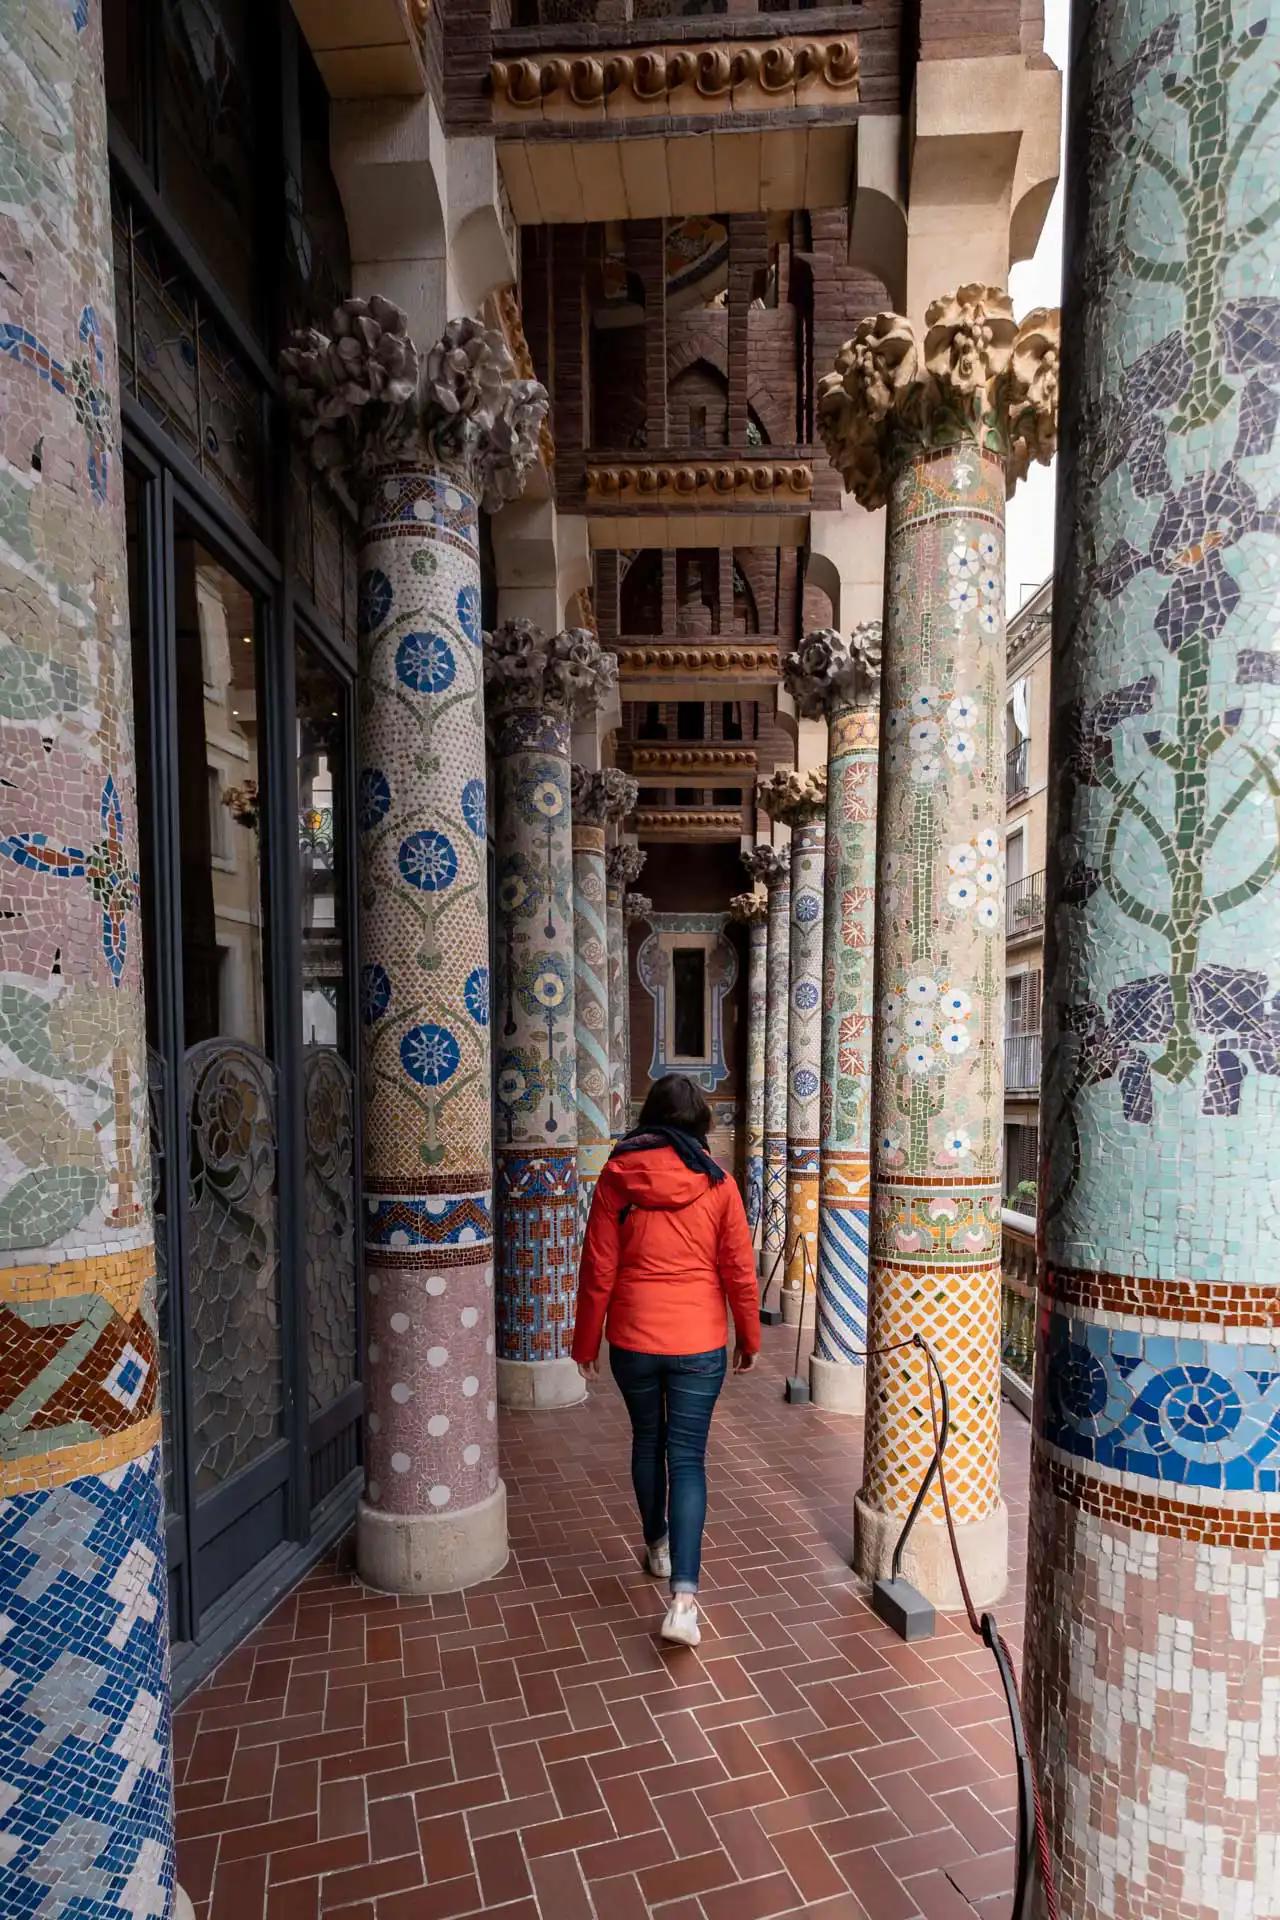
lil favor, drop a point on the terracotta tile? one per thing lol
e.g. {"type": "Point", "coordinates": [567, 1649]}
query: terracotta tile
{"type": "Point", "coordinates": [503, 1874]}
{"type": "Point", "coordinates": [755, 1900]}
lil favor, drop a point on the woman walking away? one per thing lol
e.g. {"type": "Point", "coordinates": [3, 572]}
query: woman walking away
{"type": "Point", "coordinates": [667, 1241]}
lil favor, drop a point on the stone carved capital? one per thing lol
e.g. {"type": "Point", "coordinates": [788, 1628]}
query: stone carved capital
{"type": "Point", "coordinates": [636, 906]}
{"type": "Point", "coordinates": [599, 797]}
{"type": "Point", "coordinates": [362, 395]}
{"type": "Point", "coordinates": [564, 673]}
{"type": "Point", "coordinates": [827, 671]}
{"type": "Point", "coordinates": [796, 798]}
{"type": "Point", "coordinates": [750, 909]}
{"type": "Point", "coordinates": [979, 375]}
{"type": "Point", "coordinates": [770, 864]}
{"type": "Point", "coordinates": [623, 864]}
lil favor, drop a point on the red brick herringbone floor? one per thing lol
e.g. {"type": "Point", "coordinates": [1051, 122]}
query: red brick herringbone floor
{"type": "Point", "coordinates": [526, 1750]}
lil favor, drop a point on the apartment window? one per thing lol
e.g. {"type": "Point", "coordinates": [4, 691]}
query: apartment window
{"type": "Point", "coordinates": [1021, 1167]}
{"type": "Point", "coordinates": [690, 720]}
{"type": "Point", "coordinates": [731, 720]}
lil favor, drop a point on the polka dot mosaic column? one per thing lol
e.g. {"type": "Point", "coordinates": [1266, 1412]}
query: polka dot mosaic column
{"type": "Point", "coordinates": [86, 1765]}
{"type": "Point", "coordinates": [590, 981]}
{"type": "Point", "coordinates": [752, 911]}
{"type": "Point", "coordinates": [942, 429]}
{"type": "Point", "coordinates": [1152, 1667]}
{"type": "Point", "coordinates": [538, 684]}
{"type": "Point", "coordinates": [623, 864]}
{"type": "Point", "coordinates": [774, 868]}
{"type": "Point", "coordinates": [840, 679]}
{"type": "Point", "coordinates": [433, 1517]}
{"type": "Point", "coordinates": [801, 802]}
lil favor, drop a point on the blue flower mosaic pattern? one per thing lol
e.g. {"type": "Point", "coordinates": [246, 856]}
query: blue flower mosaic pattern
{"type": "Point", "coordinates": [373, 600]}
{"type": "Point", "coordinates": [425, 662]}
{"type": "Point", "coordinates": [469, 614]}
{"type": "Point", "coordinates": [375, 993]}
{"type": "Point", "coordinates": [84, 1735]}
{"type": "Point", "coordinates": [373, 799]}
{"type": "Point", "coordinates": [475, 808]}
{"type": "Point", "coordinates": [428, 861]}
{"type": "Point", "coordinates": [805, 997]}
{"type": "Point", "coordinates": [475, 996]}
{"type": "Point", "coordinates": [1197, 1413]}
{"type": "Point", "coordinates": [805, 1082]}
{"type": "Point", "coordinates": [430, 1054]}
{"type": "Point", "coordinates": [807, 908]}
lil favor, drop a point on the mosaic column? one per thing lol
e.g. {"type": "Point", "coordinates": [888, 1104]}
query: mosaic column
{"type": "Point", "coordinates": [1152, 1672]}
{"type": "Point", "coordinates": [839, 679]}
{"type": "Point", "coordinates": [539, 684]}
{"type": "Point", "coordinates": [423, 449]}
{"type": "Point", "coordinates": [623, 864]}
{"type": "Point", "coordinates": [800, 801]}
{"type": "Point", "coordinates": [86, 1765]}
{"type": "Point", "coordinates": [773, 866]}
{"type": "Point", "coordinates": [636, 908]}
{"type": "Point", "coordinates": [941, 429]}
{"type": "Point", "coordinates": [752, 911]}
{"type": "Point", "coordinates": [590, 979]}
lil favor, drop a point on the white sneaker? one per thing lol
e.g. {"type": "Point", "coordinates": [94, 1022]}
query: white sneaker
{"type": "Point", "coordinates": [657, 1561]}
{"type": "Point", "coordinates": [681, 1626]}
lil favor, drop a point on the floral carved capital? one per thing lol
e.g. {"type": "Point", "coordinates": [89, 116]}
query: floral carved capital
{"type": "Point", "coordinates": [563, 673]}
{"type": "Point", "coordinates": [795, 798]}
{"type": "Point", "coordinates": [828, 671]}
{"type": "Point", "coordinates": [599, 797]}
{"type": "Point", "coordinates": [770, 864]}
{"type": "Point", "coordinates": [623, 864]}
{"type": "Point", "coordinates": [363, 395]}
{"type": "Point", "coordinates": [750, 909]}
{"type": "Point", "coordinates": [636, 906]}
{"type": "Point", "coordinates": [978, 375]}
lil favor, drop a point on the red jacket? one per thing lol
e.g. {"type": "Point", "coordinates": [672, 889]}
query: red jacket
{"type": "Point", "coordinates": [663, 1250]}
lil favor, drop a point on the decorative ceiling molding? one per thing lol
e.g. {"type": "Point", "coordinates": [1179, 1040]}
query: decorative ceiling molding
{"type": "Point", "coordinates": [719, 78]}
{"type": "Point", "coordinates": [658, 660]}
{"type": "Point", "coordinates": [713, 760]}
{"type": "Point", "coordinates": [687, 823]}
{"type": "Point", "coordinates": [724, 483]}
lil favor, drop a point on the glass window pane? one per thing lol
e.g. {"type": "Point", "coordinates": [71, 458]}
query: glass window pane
{"type": "Point", "coordinates": [208, 136]}
{"type": "Point", "coordinates": [689, 986]}
{"type": "Point", "coordinates": [328, 1089]}
{"type": "Point", "coordinates": [233, 1269]}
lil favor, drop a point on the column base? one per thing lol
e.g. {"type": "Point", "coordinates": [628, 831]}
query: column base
{"type": "Point", "coordinates": [792, 1307]}
{"type": "Point", "coordinates": [182, 1907]}
{"type": "Point", "coordinates": [927, 1563]}
{"type": "Point", "coordinates": [837, 1387]}
{"type": "Point", "coordinates": [534, 1385]}
{"type": "Point", "coordinates": [432, 1552]}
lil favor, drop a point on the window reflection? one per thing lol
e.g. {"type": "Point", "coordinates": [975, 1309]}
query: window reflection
{"type": "Point", "coordinates": [321, 770]}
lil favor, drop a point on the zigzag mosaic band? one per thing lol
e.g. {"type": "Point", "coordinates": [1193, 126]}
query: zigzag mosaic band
{"type": "Point", "coordinates": [590, 1007]}
{"type": "Point", "coordinates": [804, 1051]}
{"type": "Point", "coordinates": [844, 1231]}
{"type": "Point", "coordinates": [757, 1004]}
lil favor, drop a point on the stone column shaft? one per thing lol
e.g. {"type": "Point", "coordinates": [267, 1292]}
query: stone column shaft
{"type": "Point", "coordinates": [752, 910]}
{"type": "Point", "coordinates": [590, 982]}
{"type": "Point", "coordinates": [1152, 1669]}
{"type": "Point", "coordinates": [774, 868]}
{"type": "Point", "coordinates": [86, 1764]}
{"type": "Point", "coordinates": [941, 431]}
{"type": "Point", "coordinates": [423, 448]}
{"type": "Point", "coordinates": [801, 802]}
{"type": "Point", "coordinates": [841, 680]}
{"type": "Point", "coordinates": [537, 684]}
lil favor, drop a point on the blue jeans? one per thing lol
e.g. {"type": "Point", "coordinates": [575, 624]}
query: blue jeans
{"type": "Point", "coordinates": [671, 1398]}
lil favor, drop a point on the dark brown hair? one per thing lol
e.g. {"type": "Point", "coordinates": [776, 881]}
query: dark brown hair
{"type": "Point", "coordinates": [677, 1101]}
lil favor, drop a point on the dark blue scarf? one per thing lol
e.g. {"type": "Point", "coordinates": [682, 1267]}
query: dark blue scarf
{"type": "Point", "coordinates": [687, 1145]}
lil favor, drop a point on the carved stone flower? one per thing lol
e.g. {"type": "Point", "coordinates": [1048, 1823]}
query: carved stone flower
{"type": "Point", "coordinates": [749, 908]}
{"type": "Point", "coordinates": [368, 362]}
{"type": "Point", "coordinates": [968, 339]}
{"type": "Point", "coordinates": [621, 792]}
{"type": "Point", "coordinates": [769, 864]}
{"type": "Point", "coordinates": [827, 671]}
{"type": "Point", "coordinates": [1032, 385]}
{"type": "Point", "coordinates": [796, 798]}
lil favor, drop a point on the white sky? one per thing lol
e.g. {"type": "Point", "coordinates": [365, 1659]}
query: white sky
{"type": "Point", "coordinates": [1038, 283]}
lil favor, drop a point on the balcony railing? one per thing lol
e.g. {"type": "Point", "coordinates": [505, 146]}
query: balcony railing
{"type": "Point", "coordinates": [1015, 770]}
{"type": "Point", "coordinates": [1021, 1062]}
{"type": "Point", "coordinates": [1024, 904]}
{"type": "Point", "coordinates": [1018, 1304]}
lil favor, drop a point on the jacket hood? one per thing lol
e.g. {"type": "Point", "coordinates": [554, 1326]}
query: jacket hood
{"type": "Point", "coordinates": [657, 1178]}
